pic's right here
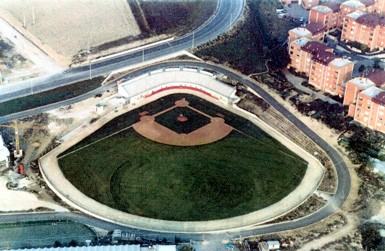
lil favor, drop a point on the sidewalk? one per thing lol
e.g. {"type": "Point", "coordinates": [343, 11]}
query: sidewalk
{"type": "Point", "coordinates": [296, 81]}
{"type": "Point", "coordinates": [344, 47]}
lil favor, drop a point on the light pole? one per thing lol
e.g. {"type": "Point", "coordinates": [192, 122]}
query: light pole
{"type": "Point", "coordinates": [89, 56]}
{"type": "Point", "coordinates": [90, 69]}
{"type": "Point", "coordinates": [231, 17]}
{"type": "Point", "coordinates": [172, 47]}
{"type": "Point", "coordinates": [193, 37]}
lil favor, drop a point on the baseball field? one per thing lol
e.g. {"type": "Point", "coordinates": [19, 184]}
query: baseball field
{"type": "Point", "coordinates": [238, 173]}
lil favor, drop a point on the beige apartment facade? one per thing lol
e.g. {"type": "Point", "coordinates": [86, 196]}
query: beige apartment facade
{"type": "Point", "coordinates": [312, 31]}
{"type": "Point", "coordinates": [365, 28]}
{"type": "Point", "coordinates": [365, 97]}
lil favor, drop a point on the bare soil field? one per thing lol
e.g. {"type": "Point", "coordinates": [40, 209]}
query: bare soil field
{"type": "Point", "coordinates": [73, 25]}
{"type": "Point", "coordinates": [12, 63]}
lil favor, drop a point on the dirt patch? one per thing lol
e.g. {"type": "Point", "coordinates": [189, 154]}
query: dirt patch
{"type": "Point", "coordinates": [72, 25]}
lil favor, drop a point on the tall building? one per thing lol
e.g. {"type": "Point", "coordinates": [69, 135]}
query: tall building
{"type": "Point", "coordinates": [369, 5]}
{"type": "Point", "coordinates": [312, 31]}
{"type": "Point", "coordinates": [365, 97]}
{"type": "Point", "coordinates": [326, 70]}
{"type": "Point", "coordinates": [301, 52]}
{"type": "Point", "coordinates": [379, 7]}
{"type": "Point", "coordinates": [370, 108]}
{"type": "Point", "coordinates": [308, 4]}
{"type": "Point", "coordinates": [351, 6]}
{"type": "Point", "coordinates": [326, 15]}
{"type": "Point", "coordinates": [329, 72]}
{"type": "Point", "coordinates": [365, 28]}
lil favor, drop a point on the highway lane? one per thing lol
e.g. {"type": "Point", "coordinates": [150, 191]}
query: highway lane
{"type": "Point", "coordinates": [227, 13]}
{"type": "Point", "coordinates": [331, 207]}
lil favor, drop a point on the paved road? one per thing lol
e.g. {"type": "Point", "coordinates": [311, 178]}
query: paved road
{"type": "Point", "coordinates": [227, 13]}
{"type": "Point", "coordinates": [331, 207]}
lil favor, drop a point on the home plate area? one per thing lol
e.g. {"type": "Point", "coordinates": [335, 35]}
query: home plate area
{"type": "Point", "coordinates": [182, 125]}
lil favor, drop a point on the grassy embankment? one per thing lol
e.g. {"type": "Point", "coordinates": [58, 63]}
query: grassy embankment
{"type": "Point", "coordinates": [49, 97]}
{"type": "Point", "coordinates": [43, 234]}
{"type": "Point", "coordinates": [260, 38]}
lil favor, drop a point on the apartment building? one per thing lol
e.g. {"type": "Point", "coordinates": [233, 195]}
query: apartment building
{"type": "Point", "coordinates": [299, 59]}
{"type": "Point", "coordinates": [379, 7]}
{"type": "Point", "coordinates": [351, 6]}
{"type": "Point", "coordinates": [370, 108]}
{"type": "Point", "coordinates": [365, 28]}
{"type": "Point", "coordinates": [365, 97]}
{"type": "Point", "coordinates": [327, 15]}
{"type": "Point", "coordinates": [329, 72]}
{"type": "Point", "coordinates": [326, 70]}
{"type": "Point", "coordinates": [312, 31]}
{"type": "Point", "coordinates": [308, 4]}
{"type": "Point", "coordinates": [301, 52]}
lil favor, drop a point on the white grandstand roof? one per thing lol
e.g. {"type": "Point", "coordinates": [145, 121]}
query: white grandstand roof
{"type": "Point", "coordinates": [302, 41]}
{"type": "Point", "coordinates": [354, 4]}
{"type": "Point", "coordinates": [301, 31]}
{"type": "Point", "coordinates": [4, 152]}
{"type": "Point", "coordinates": [372, 91]}
{"type": "Point", "coordinates": [157, 78]}
{"type": "Point", "coordinates": [356, 14]}
{"type": "Point", "coordinates": [104, 248]}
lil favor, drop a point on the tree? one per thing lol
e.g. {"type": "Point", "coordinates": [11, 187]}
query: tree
{"type": "Point", "coordinates": [371, 238]}
{"type": "Point", "coordinates": [376, 64]}
{"type": "Point", "coordinates": [57, 244]}
{"type": "Point", "coordinates": [361, 68]}
{"type": "Point", "coordinates": [73, 243]}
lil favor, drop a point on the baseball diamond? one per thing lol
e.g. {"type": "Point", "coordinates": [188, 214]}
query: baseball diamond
{"type": "Point", "coordinates": [182, 158]}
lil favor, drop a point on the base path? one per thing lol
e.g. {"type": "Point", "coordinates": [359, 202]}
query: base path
{"type": "Point", "coordinates": [214, 131]}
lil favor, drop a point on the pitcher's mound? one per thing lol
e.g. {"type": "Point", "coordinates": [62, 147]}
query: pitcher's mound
{"type": "Point", "coordinates": [190, 128]}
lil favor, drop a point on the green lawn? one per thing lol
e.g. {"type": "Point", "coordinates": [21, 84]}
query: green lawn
{"type": "Point", "coordinates": [236, 175]}
{"type": "Point", "coordinates": [49, 97]}
{"type": "Point", "coordinates": [43, 234]}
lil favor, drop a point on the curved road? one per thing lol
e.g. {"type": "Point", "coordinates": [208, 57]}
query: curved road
{"type": "Point", "coordinates": [227, 13]}
{"type": "Point", "coordinates": [331, 207]}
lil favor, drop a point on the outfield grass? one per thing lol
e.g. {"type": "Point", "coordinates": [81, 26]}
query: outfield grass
{"type": "Point", "coordinates": [236, 175]}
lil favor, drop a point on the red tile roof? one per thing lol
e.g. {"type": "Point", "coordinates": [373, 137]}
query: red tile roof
{"type": "Point", "coordinates": [314, 47]}
{"type": "Point", "coordinates": [314, 28]}
{"type": "Point", "coordinates": [371, 20]}
{"type": "Point", "coordinates": [324, 57]}
{"type": "Point", "coordinates": [367, 2]}
{"type": "Point", "coordinates": [380, 98]}
{"type": "Point", "coordinates": [376, 76]}
{"type": "Point", "coordinates": [334, 6]}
